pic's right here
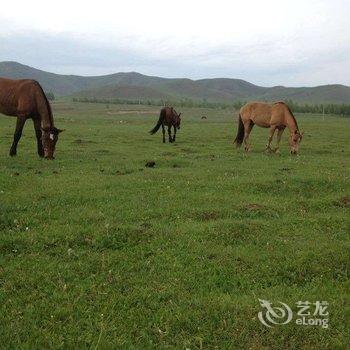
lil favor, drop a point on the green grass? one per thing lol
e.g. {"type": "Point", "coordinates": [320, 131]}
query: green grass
{"type": "Point", "coordinates": [98, 251]}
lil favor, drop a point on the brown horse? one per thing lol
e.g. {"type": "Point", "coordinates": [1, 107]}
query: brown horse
{"type": "Point", "coordinates": [25, 99]}
{"type": "Point", "coordinates": [169, 117]}
{"type": "Point", "coordinates": [276, 116]}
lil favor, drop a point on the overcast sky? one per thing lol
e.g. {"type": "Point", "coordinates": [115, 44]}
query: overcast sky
{"type": "Point", "coordinates": [267, 42]}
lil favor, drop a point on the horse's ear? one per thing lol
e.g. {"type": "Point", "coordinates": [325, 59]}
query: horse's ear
{"type": "Point", "coordinates": [179, 114]}
{"type": "Point", "coordinates": [60, 130]}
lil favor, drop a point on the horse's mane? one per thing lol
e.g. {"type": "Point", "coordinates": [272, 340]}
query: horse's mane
{"type": "Point", "coordinates": [289, 110]}
{"type": "Point", "coordinates": [174, 111]}
{"type": "Point", "coordinates": [48, 106]}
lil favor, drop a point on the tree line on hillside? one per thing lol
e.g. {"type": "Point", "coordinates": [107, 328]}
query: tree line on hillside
{"type": "Point", "coordinates": [176, 103]}
{"type": "Point", "coordinates": [327, 108]}
{"type": "Point", "coordinates": [50, 96]}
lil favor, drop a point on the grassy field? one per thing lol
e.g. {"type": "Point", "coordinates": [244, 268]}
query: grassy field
{"type": "Point", "coordinates": [98, 251]}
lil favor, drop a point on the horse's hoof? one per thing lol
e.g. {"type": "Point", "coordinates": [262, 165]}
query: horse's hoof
{"type": "Point", "coordinates": [13, 153]}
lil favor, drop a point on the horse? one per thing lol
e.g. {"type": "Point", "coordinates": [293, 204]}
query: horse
{"type": "Point", "coordinates": [276, 116]}
{"type": "Point", "coordinates": [25, 99]}
{"type": "Point", "coordinates": [169, 117]}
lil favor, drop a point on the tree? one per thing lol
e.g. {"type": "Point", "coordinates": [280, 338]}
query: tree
{"type": "Point", "coordinates": [50, 96]}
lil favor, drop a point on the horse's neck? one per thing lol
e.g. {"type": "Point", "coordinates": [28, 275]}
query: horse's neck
{"type": "Point", "coordinates": [45, 113]}
{"type": "Point", "coordinates": [291, 123]}
{"type": "Point", "coordinates": [46, 120]}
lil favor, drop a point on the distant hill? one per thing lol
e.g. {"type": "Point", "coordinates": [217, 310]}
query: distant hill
{"type": "Point", "coordinates": [138, 86]}
{"type": "Point", "coordinates": [123, 92]}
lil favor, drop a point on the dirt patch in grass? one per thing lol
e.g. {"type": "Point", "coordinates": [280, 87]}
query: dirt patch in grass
{"type": "Point", "coordinates": [80, 141]}
{"type": "Point", "coordinates": [343, 202]}
{"type": "Point", "coordinates": [254, 207]}
{"type": "Point", "coordinates": [150, 164]}
{"type": "Point", "coordinates": [102, 151]}
{"type": "Point", "coordinates": [188, 150]}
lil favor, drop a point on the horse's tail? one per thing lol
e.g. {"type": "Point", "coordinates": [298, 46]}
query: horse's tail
{"type": "Point", "coordinates": [159, 123]}
{"type": "Point", "coordinates": [240, 132]}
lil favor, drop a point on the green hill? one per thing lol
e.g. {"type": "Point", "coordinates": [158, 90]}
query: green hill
{"type": "Point", "coordinates": [122, 92]}
{"type": "Point", "coordinates": [134, 85]}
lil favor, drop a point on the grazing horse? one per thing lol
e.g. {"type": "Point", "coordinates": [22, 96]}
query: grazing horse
{"type": "Point", "coordinates": [169, 117]}
{"type": "Point", "coordinates": [276, 116]}
{"type": "Point", "coordinates": [25, 99]}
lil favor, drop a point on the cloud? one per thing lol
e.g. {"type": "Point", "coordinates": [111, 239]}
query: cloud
{"type": "Point", "coordinates": [268, 43]}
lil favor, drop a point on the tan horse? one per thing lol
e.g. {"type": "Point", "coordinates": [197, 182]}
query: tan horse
{"type": "Point", "coordinates": [276, 116]}
{"type": "Point", "coordinates": [25, 99]}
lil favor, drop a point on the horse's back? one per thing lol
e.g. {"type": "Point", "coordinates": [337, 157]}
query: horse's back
{"type": "Point", "coordinates": [19, 88]}
{"type": "Point", "coordinates": [17, 84]}
{"type": "Point", "coordinates": [167, 113]}
{"type": "Point", "coordinates": [257, 112]}
{"type": "Point", "coordinates": [265, 114]}
{"type": "Point", "coordinates": [167, 110]}
{"type": "Point", "coordinates": [280, 107]}
{"type": "Point", "coordinates": [256, 107]}
{"type": "Point", "coordinates": [18, 95]}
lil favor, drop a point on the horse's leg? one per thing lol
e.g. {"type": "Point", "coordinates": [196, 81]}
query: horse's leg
{"type": "Point", "coordinates": [271, 133]}
{"type": "Point", "coordinates": [279, 136]}
{"type": "Point", "coordinates": [169, 133]}
{"type": "Point", "coordinates": [17, 135]}
{"type": "Point", "coordinates": [38, 134]}
{"type": "Point", "coordinates": [174, 134]}
{"type": "Point", "coordinates": [247, 129]}
{"type": "Point", "coordinates": [163, 129]}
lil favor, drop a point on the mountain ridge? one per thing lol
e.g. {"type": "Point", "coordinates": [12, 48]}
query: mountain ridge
{"type": "Point", "coordinates": [135, 85]}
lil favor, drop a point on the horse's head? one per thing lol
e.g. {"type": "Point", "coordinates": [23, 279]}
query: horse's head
{"type": "Point", "coordinates": [295, 139]}
{"type": "Point", "coordinates": [177, 120]}
{"type": "Point", "coordinates": [49, 137]}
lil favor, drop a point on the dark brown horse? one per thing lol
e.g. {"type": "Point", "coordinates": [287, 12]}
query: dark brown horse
{"type": "Point", "coordinates": [169, 117]}
{"type": "Point", "coordinates": [25, 99]}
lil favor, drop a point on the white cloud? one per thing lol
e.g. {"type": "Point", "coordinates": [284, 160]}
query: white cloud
{"type": "Point", "coordinates": [267, 42]}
